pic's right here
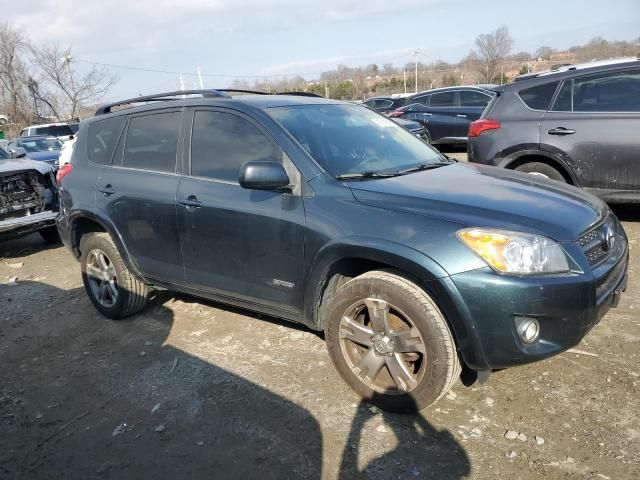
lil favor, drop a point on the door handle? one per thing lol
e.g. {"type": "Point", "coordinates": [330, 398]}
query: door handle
{"type": "Point", "coordinates": [561, 131]}
{"type": "Point", "coordinates": [107, 190]}
{"type": "Point", "coordinates": [461, 116]}
{"type": "Point", "coordinates": [191, 202]}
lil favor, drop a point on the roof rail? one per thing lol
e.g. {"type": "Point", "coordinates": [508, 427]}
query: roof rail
{"type": "Point", "coordinates": [158, 97]}
{"type": "Point", "coordinates": [300, 94]}
{"type": "Point", "coordinates": [239, 90]}
{"type": "Point", "coordinates": [565, 67]}
{"type": "Point", "coordinates": [256, 92]}
{"type": "Point", "coordinates": [167, 96]}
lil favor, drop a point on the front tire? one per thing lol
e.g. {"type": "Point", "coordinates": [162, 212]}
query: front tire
{"type": "Point", "coordinates": [111, 287]}
{"type": "Point", "coordinates": [390, 342]}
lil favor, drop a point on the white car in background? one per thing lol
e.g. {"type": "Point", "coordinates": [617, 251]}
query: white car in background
{"type": "Point", "coordinates": [65, 152]}
{"type": "Point", "coordinates": [62, 131]}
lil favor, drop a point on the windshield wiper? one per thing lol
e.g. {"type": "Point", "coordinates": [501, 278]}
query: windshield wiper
{"type": "Point", "coordinates": [422, 166]}
{"type": "Point", "coordinates": [366, 174]}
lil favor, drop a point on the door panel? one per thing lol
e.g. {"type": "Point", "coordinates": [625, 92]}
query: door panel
{"type": "Point", "coordinates": [139, 200]}
{"type": "Point", "coordinates": [247, 243]}
{"type": "Point", "coordinates": [603, 150]}
{"type": "Point", "coordinates": [595, 120]}
{"type": "Point", "coordinates": [443, 121]}
{"type": "Point", "coordinates": [142, 207]}
{"type": "Point", "coordinates": [244, 243]}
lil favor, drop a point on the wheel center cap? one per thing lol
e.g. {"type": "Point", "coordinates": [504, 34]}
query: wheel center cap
{"type": "Point", "coordinates": [383, 345]}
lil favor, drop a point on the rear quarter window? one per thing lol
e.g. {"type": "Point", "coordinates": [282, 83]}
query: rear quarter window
{"type": "Point", "coordinates": [101, 139]}
{"type": "Point", "coordinates": [538, 97]}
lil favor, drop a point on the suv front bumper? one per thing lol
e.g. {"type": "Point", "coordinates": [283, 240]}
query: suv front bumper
{"type": "Point", "coordinates": [566, 307]}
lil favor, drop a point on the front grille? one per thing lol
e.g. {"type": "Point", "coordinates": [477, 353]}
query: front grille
{"type": "Point", "coordinates": [594, 243]}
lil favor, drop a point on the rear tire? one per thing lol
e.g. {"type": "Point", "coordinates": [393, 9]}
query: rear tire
{"type": "Point", "coordinates": [543, 170]}
{"type": "Point", "coordinates": [50, 235]}
{"type": "Point", "coordinates": [405, 366]}
{"type": "Point", "coordinates": [113, 290]}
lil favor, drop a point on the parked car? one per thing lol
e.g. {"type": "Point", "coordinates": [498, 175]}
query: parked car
{"type": "Point", "coordinates": [446, 112]}
{"type": "Point", "coordinates": [385, 104]}
{"type": "Point", "coordinates": [28, 197]}
{"type": "Point", "coordinates": [41, 149]}
{"type": "Point", "coordinates": [62, 131]}
{"type": "Point", "coordinates": [326, 213]}
{"type": "Point", "coordinates": [66, 151]}
{"type": "Point", "coordinates": [578, 124]}
{"type": "Point", "coordinates": [414, 127]}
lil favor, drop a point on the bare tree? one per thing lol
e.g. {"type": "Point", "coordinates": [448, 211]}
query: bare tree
{"type": "Point", "coordinates": [493, 48]}
{"type": "Point", "coordinates": [544, 53]}
{"type": "Point", "coordinates": [55, 68]}
{"type": "Point", "coordinates": [13, 72]}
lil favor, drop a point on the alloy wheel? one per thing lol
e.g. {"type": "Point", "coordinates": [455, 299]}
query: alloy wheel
{"type": "Point", "coordinates": [102, 278]}
{"type": "Point", "coordinates": [382, 346]}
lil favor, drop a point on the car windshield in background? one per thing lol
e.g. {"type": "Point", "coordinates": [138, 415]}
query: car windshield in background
{"type": "Point", "coordinates": [54, 131]}
{"type": "Point", "coordinates": [352, 140]}
{"type": "Point", "coordinates": [40, 144]}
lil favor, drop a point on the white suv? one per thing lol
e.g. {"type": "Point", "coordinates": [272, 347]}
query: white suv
{"type": "Point", "coordinates": [63, 131]}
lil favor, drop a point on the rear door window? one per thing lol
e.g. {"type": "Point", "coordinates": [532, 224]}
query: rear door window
{"type": "Point", "coordinates": [444, 99]}
{"type": "Point", "coordinates": [469, 98]}
{"type": "Point", "coordinates": [538, 97]}
{"type": "Point", "coordinates": [423, 100]}
{"type": "Point", "coordinates": [607, 92]}
{"type": "Point", "coordinates": [221, 142]}
{"type": "Point", "coordinates": [152, 142]}
{"type": "Point", "coordinates": [101, 139]}
{"type": "Point", "coordinates": [382, 104]}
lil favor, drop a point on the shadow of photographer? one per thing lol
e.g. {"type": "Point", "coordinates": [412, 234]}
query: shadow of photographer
{"type": "Point", "coordinates": [83, 397]}
{"type": "Point", "coordinates": [421, 451]}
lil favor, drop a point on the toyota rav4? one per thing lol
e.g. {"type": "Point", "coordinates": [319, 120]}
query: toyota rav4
{"type": "Point", "coordinates": [331, 215]}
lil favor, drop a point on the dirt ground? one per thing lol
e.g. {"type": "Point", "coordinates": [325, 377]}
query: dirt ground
{"type": "Point", "coordinates": [191, 389]}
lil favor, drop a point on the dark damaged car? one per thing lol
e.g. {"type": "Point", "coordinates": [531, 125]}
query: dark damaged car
{"type": "Point", "coordinates": [28, 198]}
{"type": "Point", "coordinates": [331, 215]}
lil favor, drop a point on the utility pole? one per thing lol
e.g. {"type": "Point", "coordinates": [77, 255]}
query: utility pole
{"type": "Point", "coordinates": [182, 84]}
{"type": "Point", "coordinates": [404, 74]}
{"type": "Point", "coordinates": [416, 52]}
{"type": "Point", "coordinates": [67, 61]}
{"type": "Point", "coordinates": [200, 78]}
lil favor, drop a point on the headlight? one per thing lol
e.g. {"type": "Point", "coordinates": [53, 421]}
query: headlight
{"type": "Point", "coordinates": [515, 252]}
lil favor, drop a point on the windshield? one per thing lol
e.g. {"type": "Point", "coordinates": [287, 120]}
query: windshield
{"type": "Point", "coordinates": [351, 139]}
{"type": "Point", "coordinates": [40, 144]}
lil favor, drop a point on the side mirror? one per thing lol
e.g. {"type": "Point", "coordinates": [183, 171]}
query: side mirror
{"type": "Point", "coordinates": [17, 152]}
{"type": "Point", "coordinates": [263, 175]}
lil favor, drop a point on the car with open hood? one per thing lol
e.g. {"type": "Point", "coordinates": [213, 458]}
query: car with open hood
{"type": "Point", "coordinates": [331, 215]}
{"type": "Point", "coordinates": [28, 197]}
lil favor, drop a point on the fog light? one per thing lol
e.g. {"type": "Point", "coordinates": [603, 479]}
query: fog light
{"type": "Point", "coordinates": [528, 329]}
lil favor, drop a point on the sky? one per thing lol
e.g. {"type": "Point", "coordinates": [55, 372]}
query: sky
{"type": "Point", "coordinates": [288, 37]}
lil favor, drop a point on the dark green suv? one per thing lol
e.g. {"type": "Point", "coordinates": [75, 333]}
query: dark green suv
{"type": "Point", "coordinates": [331, 215]}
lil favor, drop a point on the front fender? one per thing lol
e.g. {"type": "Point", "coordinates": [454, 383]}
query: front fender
{"type": "Point", "coordinates": [397, 256]}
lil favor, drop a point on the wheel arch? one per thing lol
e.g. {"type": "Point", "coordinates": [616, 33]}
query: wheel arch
{"type": "Point", "coordinates": [354, 256]}
{"type": "Point", "coordinates": [337, 263]}
{"type": "Point", "coordinates": [522, 157]}
{"type": "Point", "coordinates": [84, 222]}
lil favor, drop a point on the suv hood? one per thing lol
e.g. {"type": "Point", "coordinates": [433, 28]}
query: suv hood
{"type": "Point", "coordinates": [479, 196]}
{"type": "Point", "coordinates": [22, 164]}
